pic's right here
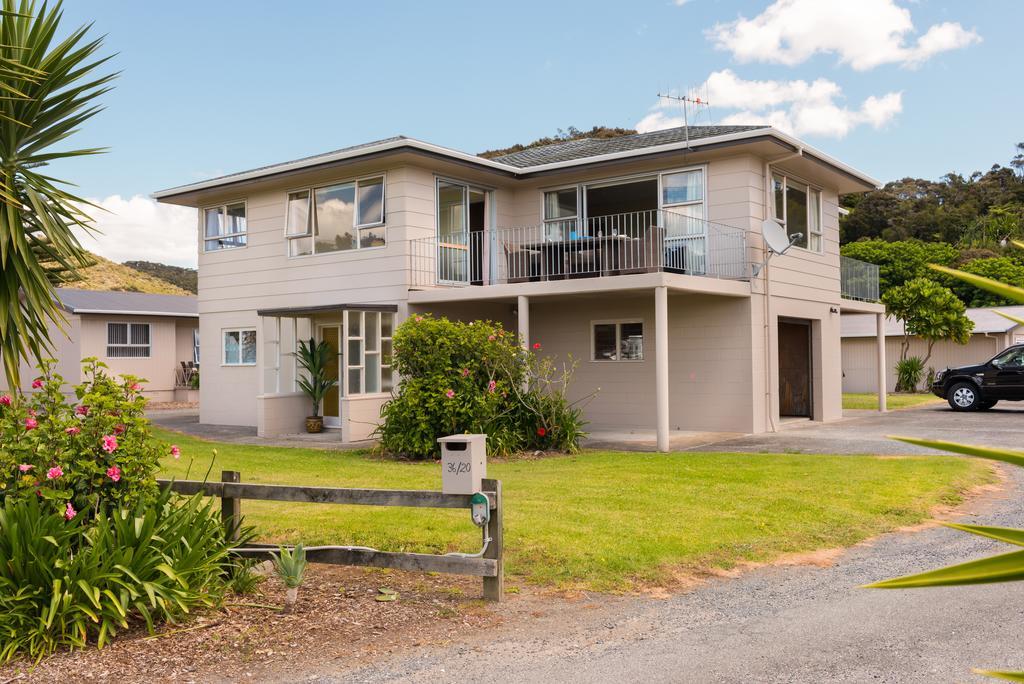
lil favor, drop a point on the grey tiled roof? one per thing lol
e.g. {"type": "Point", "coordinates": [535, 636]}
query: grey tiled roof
{"type": "Point", "coordinates": [590, 147]}
{"type": "Point", "coordinates": [82, 301]}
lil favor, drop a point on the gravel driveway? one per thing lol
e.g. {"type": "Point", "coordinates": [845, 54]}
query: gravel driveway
{"type": "Point", "coordinates": [774, 624]}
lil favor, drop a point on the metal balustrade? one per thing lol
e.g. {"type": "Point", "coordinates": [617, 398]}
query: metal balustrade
{"type": "Point", "coordinates": [858, 280]}
{"type": "Point", "coordinates": [617, 244]}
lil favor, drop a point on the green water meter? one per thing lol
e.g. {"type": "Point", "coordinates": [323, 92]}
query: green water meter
{"type": "Point", "coordinates": [480, 509]}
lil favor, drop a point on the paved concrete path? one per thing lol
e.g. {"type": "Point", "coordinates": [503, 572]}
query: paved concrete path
{"type": "Point", "coordinates": [774, 624]}
{"type": "Point", "coordinates": [187, 421]}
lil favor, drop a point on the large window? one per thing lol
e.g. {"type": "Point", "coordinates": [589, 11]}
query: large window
{"type": "Point", "coordinates": [798, 208]}
{"type": "Point", "coordinates": [240, 347]}
{"type": "Point", "coordinates": [336, 218]}
{"type": "Point", "coordinates": [128, 341]}
{"type": "Point", "coordinates": [617, 341]}
{"type": "Point", "coordinates": [224, 227]}
{"type": "Point", "coordinates": [369, 352]}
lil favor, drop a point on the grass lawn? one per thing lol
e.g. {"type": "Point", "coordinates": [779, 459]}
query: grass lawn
{"type": "Point", "coordinates": [605, 520]}
{"type": "Point", "coordinates": [869, 400]}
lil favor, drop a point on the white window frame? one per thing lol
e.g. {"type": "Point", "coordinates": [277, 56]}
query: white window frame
{"type": "Point", "coordinates": [578, 217]}
{"type": "Point", "coordinates": [195, 346]}
{"type": "Point", "coordinates": [812, 235]}
{"type": "Point", "coordinates": [129, 344]}
{"type": "Point", "coordinates": [223, 347]}
{"type": "Point", "coordinates": [223, 208]}
{"type": "Point", "coordinates": [346, 390]}
{"type": "Point", "coordinates": [356, 226]}
{"type": "Point", "coordinates": [618, 323]}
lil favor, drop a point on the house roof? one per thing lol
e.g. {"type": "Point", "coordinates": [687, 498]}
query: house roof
{"type": "Point", "coordinates": [126, 303]}
{"type": "Point", "coordinates": [986, 320]}
{"type": "Point", "coordinates": [594, 147]}
{"type": "Point", "coordinates": [537, 159]}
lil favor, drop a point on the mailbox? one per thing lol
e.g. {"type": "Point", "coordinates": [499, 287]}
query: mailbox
{"type": "Point", "coordinates": [463, 463]}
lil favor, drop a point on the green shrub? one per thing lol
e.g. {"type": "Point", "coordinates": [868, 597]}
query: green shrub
{"type": "Point", "coordinates": [475, 378]}
{"type": "Point", "coordinates": [908, 374]}
{"type": "Point", "coordinates": [78, 455]}
{"type": "Point", "coordinates": [67, 584]}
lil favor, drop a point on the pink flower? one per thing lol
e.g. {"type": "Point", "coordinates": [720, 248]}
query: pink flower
{"type": "Point", "coordinates": [491, 338]}
{"type": "Point", "coordinates": [465, 372]}
{"type": "Point", "coordinates": [175, 451]}
{"type": "Point", "coordinates": [135, 387]}
{"type": "Point", "coordinates": [119, 429]}
{"type": "Point", "coordinates": [418, 318]}
{"type": "Point", "coordinates": [54, 472]}
{"type": "Point", "coordinates": [37, 383]}
{"type": "Point", "coordinates": [114, 473]}
{"type": "Point", "coordinates": [81, 410]}
{"type": "Point", "coordinates": [491, 386]}
{"type": "Point", "coordinates": [25, 467]}
{"type": "Point", "coordinates": [73, 430]}
{"type": "Point", "coordinates": [536, 345]}
{"type": "Point", "coordinates": [70, 512]}
{"type": "Point", "coordinates": [5, 400]}
{"type": "Point", "coordinates": [450, 394]}
{"type": "Point", "coordinates": [109, 443]}
{"type": "Point", "coordinates": [31, 423]}
{"type": "Point", "coordinates": [33, 413]}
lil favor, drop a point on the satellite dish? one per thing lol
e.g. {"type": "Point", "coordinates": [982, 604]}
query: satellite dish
{"type": "Point", "coordinates": [775, 236]}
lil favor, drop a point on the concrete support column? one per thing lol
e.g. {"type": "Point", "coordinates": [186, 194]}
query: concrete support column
{"type": "Point", "coordinates": [661, 364]}
{"type": "Point", "coordinates": [880, 337]}
{"type": "Point", "coordinates": [523, 307]}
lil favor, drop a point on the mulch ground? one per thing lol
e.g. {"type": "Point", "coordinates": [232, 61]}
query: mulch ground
{"type": "Point", "coordinates": [338, 620]}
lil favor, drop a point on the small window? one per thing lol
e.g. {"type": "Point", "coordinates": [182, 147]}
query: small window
{"type": "Point", "coordinates": [618, 341]}
{"type": "Point", "coordinates": [561, 211]}
{"type": "Point", "coordinates": [195, 346]}
{"type": "Point", "coordinates": [798, 208]}
{"type": "Point", "coordinates": [336, 218]}
{"type": "Point", "coordinates": [224, 227]}
{"type": "Point", "coordinates": [128, 341]}
{"type": "Point", "coordinates": [240, 347]}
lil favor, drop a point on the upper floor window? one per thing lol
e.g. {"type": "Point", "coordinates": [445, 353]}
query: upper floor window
{"type": "Point", "coordinates": [798, 208]}
{"type": "Point", "coordinates": [336, 218]}
{"type": "Point", "coordinates": [224, 226]}
{"type": "Point", "coordinates": [561, 212]}
{"type": "Point", "coordinates": [128, 341]}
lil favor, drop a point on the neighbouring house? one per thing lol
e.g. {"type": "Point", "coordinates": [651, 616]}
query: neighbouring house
{"type": "Point", "coordinates": [640, 256]}
{"type": "Point", "coordinates": [152, 336]}
{"type": "Point", "coordinates": [992, 334]}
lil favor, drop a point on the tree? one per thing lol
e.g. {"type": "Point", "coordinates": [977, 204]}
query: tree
{"type": "Point", "coordinates": [48, 89]}
{"type": "Point", "coordinates": [929, 311]}
{"type": "Point", "coordinates": [899, 262]}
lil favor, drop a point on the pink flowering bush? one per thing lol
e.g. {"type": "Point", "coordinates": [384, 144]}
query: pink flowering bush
{"type": "Point", "coordinates": [61, 444]}
{"type": "Point", "coordinates": [471, 378]}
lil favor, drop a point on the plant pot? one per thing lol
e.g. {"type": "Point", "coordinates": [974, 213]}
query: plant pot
{"type": "Point", "coordinates": [314, 424]}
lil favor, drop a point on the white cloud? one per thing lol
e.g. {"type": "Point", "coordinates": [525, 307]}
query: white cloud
{"type": "Point", "coordinates": [864, 34]}
{"type": "Point", "coordinates": [138, 228]}
{"type": "Point", "coordinates": [798, 107]}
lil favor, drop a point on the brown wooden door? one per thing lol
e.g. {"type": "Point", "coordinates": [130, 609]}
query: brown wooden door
{"type": "Point", "coordinates": [794, 369]}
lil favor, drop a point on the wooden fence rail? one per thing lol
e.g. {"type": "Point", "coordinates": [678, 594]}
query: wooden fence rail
{"type": "Point", "coordinates": [489, 565]}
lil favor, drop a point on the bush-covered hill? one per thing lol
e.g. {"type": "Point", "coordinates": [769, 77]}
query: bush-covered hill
{"type": "Point", "coordinates": [109, 276]}
{"type": "Point", "coordinates": [185, 278]}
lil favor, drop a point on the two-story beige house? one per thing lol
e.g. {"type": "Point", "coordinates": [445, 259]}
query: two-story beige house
{"type": "Point", "coordinates": [641, 256]}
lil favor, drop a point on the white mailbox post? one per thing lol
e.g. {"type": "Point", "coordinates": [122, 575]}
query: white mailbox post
{"type": "Point", "coordinates": [463, 463]}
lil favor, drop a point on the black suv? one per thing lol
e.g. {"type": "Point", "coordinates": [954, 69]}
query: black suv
{"type": "Point", "coordinates": [977, 388]}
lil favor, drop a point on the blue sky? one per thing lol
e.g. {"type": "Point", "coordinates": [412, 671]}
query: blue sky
{"type": "Point", "coordinates": [214, 87]}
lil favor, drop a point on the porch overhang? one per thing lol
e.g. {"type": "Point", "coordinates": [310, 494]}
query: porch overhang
{"type": "Point", "coordinates": [852, 306]}
{"type": "Point", "coordinates": [555, 288]}
{"type": "Point", "coordinates": [307, 311]}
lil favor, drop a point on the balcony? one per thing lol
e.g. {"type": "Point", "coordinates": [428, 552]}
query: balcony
{"type": "Point", "coordinates": [858, 280]}
{"type": "Point", "coordinates": [618, 244]}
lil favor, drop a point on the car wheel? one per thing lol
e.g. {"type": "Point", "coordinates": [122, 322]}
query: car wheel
{"type": "Point", "coordinates": [987, 404]}
{"type": "Point", "coordinates": [964, 396]}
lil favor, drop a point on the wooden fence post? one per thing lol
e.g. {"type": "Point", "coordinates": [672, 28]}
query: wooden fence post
{"type": "Point", "coordinates": [494, 587]}
{"type": "Point", "coordinates": [231, 507]}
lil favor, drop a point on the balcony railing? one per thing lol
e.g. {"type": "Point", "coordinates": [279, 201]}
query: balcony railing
{"type": "Point", "coordinates": [619, 244]}
{"type": "Point", "coordinates": [858, 280]}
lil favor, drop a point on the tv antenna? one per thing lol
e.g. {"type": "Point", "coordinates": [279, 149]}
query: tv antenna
{"type": "Point", "coordinates": [685, 101]}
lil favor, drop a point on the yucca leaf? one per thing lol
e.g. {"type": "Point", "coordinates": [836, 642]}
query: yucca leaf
{"type": "Point", "coordinates": [1015, 319]}
{"type": "Point", "coordinates": [1010, 535]}
{"type": "Point", "coordinates": [997, 674]}
{"type": "Point", "coordinates": [1003, 290]}
{"type": "Point", "coordinates": [992, 453]}
{"type": "Point", "coordinates": [1008, 567]}
{"type": "Point", "coordinates": [1018, 243]}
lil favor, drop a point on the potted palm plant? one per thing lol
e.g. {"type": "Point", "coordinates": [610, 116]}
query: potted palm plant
{"type": "Point", "coordinates": [314, 359]}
